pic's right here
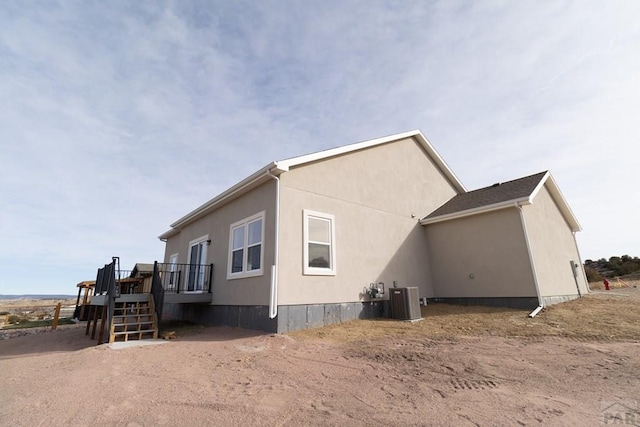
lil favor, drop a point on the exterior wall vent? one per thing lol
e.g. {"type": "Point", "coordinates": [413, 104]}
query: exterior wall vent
{"type": "Point", "coordinates": [405, 303]}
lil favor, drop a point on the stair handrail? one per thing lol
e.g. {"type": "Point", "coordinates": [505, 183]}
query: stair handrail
{"type": "Point", "coordinates": [157, 291]}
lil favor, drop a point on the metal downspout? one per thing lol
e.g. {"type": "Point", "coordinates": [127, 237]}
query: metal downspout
{"type": "Point", "coordinates": [273, 294]}
{"type": "Point", "coordinates": [531, 261]}
{"type": "Point", "coordinates": [584, 275]}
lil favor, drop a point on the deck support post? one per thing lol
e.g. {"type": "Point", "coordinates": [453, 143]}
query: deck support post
{"type": "Point", "coordinates": [95, 323]}
{"type": "Point", "coordinates": [86, 332]}
{"type": "Point", "coordinates": [102, 323]}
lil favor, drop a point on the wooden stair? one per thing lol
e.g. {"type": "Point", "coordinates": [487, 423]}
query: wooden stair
{"type": "Point", "coordinates": [133, 321]}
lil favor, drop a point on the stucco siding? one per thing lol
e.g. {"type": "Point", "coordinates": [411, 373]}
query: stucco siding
{"type": "Point", "coordinates": [246, 291]}
{"type": "Point", "coordinates": [553, 247]}
{"type": "Point", "coordinates": [397, 177]}
{"type": "Point", "coordinates": [377, 196]}
{"type": "Point", "coordinates": [480, 256]}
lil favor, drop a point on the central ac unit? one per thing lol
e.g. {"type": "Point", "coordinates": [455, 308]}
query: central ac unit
{"type": "Point", "coordinates": [405, 303]}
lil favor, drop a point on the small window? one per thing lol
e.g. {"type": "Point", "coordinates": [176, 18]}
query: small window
{"type": "Point", "coordinates": [319, 243]}
{"type": "Point", "coordinates": [245, 247]}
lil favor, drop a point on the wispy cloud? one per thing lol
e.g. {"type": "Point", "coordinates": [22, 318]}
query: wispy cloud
{"type": "Point", "coordinates": [117, 118]}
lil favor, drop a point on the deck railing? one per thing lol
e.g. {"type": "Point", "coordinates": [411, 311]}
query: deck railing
{"type": "Point", "coordinates": [183, 278]}
{"type": "Point", "coordinates": [105, 285]}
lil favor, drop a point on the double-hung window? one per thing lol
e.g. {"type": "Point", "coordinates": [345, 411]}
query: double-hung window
{"type": "Point", "coordinates": [246, 239]}
{"type": "Point", "coordinates": [319, 252]}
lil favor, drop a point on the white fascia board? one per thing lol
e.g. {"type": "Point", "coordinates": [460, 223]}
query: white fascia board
{"type": "Point", "coordinates": [332, 152]}
{"type": "Point", "coordinates": [229, 193]}
{"type": "Point", "coordinates": [561, 202]}
{"type": "Point", "coordinates": [460, 188]}
{"type": "Point", "coordinates": [539, 186]}
{"type": "Point", "coordinates": [286, 164]}
{"type": "Point", "coordinates": [475, 211]}
{"type": "Point", "coordinates": [278, 167]}
{"type": "Point", "coordinates": [167, 234]}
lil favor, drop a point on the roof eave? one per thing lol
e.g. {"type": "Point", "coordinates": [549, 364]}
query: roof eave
{"type": "Point", "coordinates": [562, 204]}
{"type": "Point", "coordinates": [547, 181]}
{"type": "Point", "coordinates": [460, 188]}
{"type": "Point", "coordinates": [278, 167]}
{"type": "Point", "coordinates": [272, 168]}
{"type": "Point", "coordinates": [332, 152]}
{"type": "Point", "coordinates": [168, 233]}
{"type": "Point", "coordinates": [476, 211]}
{"type": "Point", "coordinates": [285, 165]}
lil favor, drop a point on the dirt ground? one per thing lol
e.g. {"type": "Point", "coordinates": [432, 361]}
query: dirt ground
{"type": "Point", "coordinates": [574, 364]}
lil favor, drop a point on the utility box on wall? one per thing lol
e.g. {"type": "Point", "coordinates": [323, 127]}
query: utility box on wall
{"type": "Point", "coordinates": [405, 303]}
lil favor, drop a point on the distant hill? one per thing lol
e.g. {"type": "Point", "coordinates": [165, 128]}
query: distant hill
{"type": "Point", "coordinates": [37, 296]}
{"type": "Point", "coordinates": [615, 266]}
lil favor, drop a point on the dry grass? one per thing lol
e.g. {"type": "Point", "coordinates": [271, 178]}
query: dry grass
{"type": "Point", "coordinates": [32, 313]}
{"type": "Point", "coordinates": [613, 316]}
{"type": "Point", "coordinates": [615, 284]}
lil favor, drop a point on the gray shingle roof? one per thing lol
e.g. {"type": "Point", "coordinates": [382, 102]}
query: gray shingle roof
{"type": "Point", "coordinates": [495, 194]}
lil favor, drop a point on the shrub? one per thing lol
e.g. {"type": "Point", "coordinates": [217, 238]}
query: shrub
{"type": "Point", "coordinates": [14, 318]}
{"type": "Point", "coordinates": [592, 275]}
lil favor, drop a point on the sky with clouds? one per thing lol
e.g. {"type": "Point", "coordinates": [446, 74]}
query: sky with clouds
{"type": "Point", "coordinates": [119, 117]}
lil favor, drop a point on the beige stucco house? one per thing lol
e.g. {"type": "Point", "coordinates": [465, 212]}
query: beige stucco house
{"type": "Point", "coordinates": [298, 243]}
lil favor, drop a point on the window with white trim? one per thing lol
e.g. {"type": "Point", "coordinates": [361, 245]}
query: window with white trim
{"type": "Point", "coordinates": [246, 239]}
{"type": "Point", "coordinates": [319, 252]}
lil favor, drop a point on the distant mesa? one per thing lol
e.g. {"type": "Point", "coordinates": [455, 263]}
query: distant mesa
{"type": "Point", "coordinates": [37, 296]}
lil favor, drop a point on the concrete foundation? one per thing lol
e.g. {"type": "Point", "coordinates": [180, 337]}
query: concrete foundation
{"type": "Point", "coordinates": [290, 317]}
{"type": "Point", "coordinates": [556, 299]}
{"type": "Point", "coordinates": [296, 317]}
{"type": "Point", "coordinates": [235, 316]}
{"type": "Point", "coordinates": [510, 302]}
